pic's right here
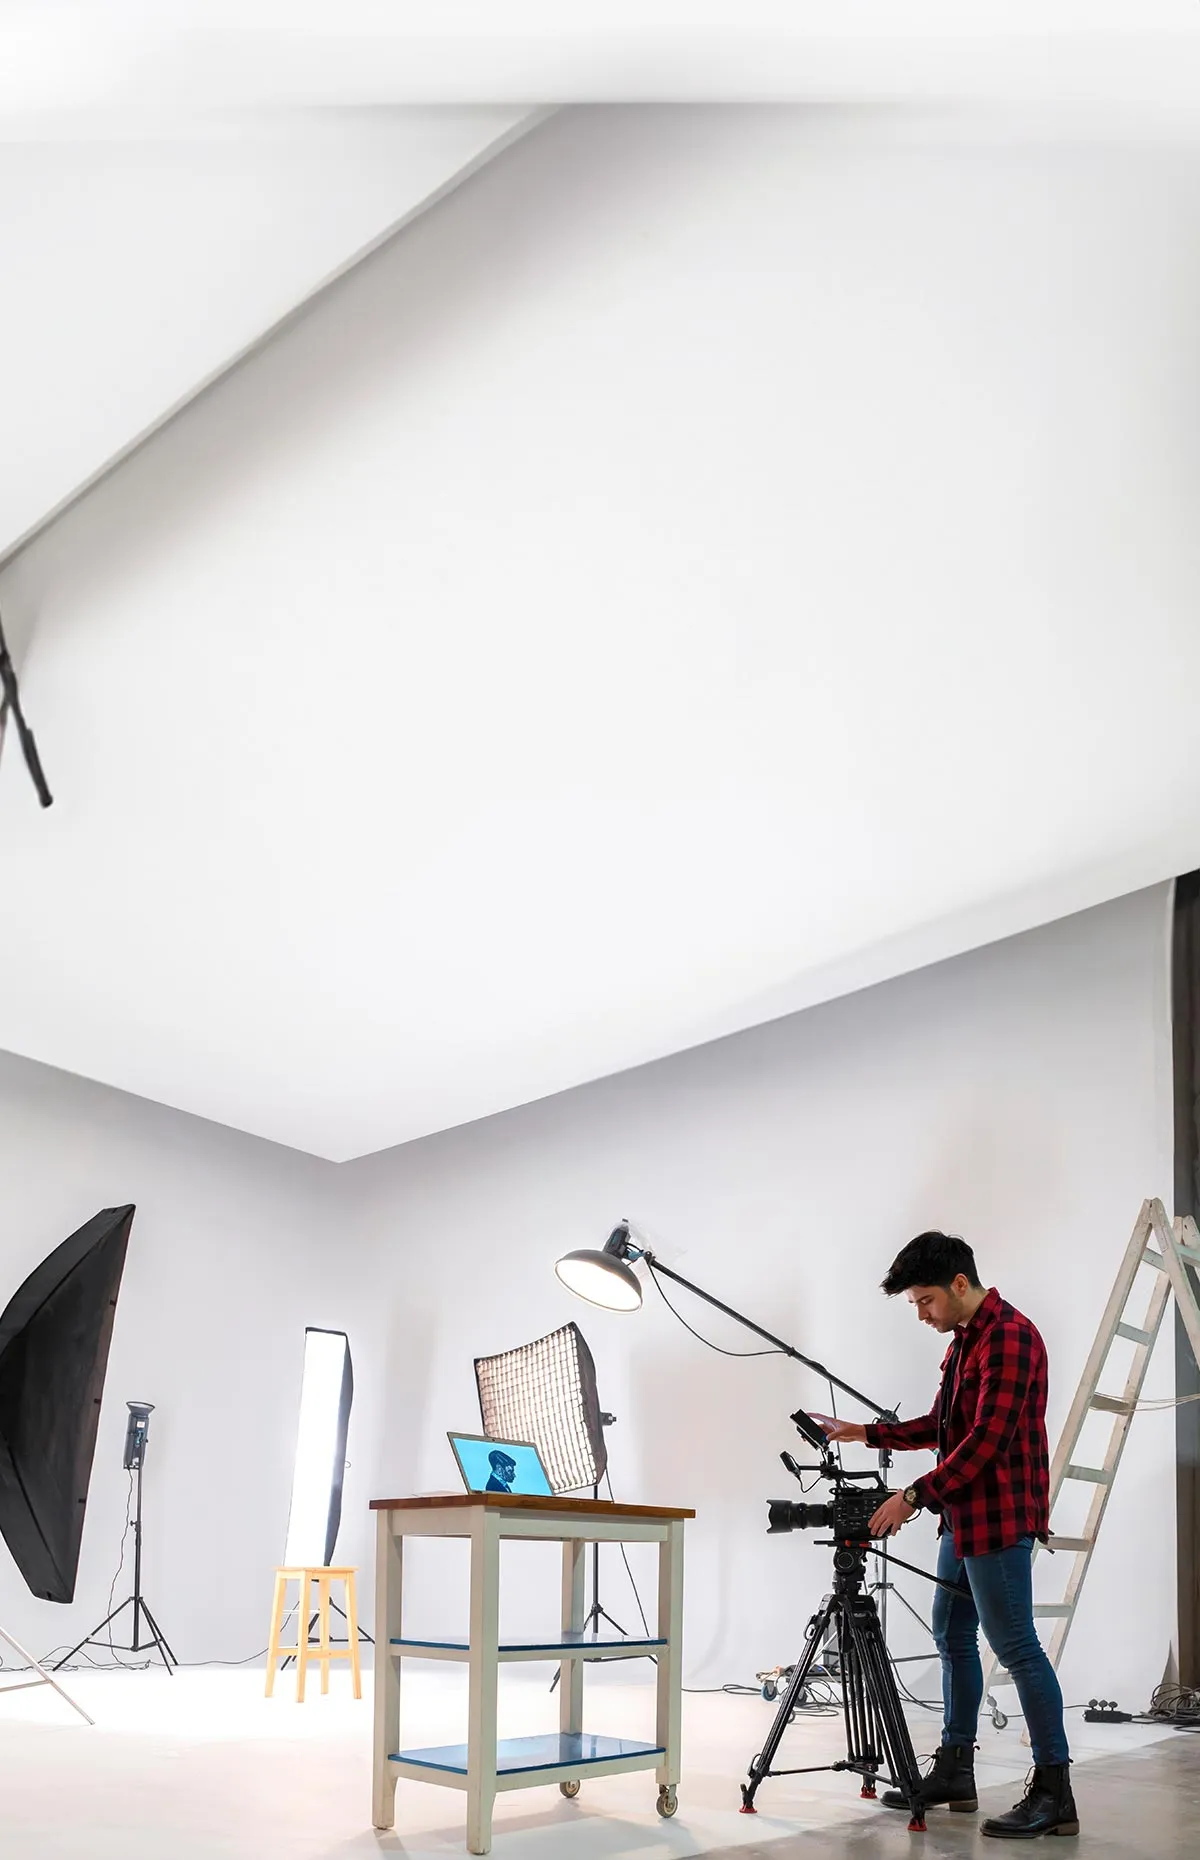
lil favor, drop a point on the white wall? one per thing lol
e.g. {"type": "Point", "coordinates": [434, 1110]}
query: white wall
{"type": "Point", "coordinates": [1019, 1095]}
{"type": "Point", "coordinates": [234, 1249]}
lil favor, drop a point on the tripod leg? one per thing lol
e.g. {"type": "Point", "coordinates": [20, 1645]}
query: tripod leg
{"type": "Point", "coordinates": [362, 1632]}
{"type": "Point", "coordinates": [159, 1639]}
{"type": "Point", "coordinates": [883, 1700]}
{"type": "Point", "coordinates": [863, 1743]}
{"type": "Point", "coordinates": [44, 1678]}
{"type": "Point", "coordinates": [761, 1765]}
{"type": "Point", "coordinates": [94, 1636]}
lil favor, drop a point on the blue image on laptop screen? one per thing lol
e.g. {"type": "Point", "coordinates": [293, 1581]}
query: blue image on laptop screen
{"type": "Point", "coordinates": [501, 1466]}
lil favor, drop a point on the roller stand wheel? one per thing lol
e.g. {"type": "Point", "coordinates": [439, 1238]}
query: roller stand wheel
{"type": "Point", "coordinates": [569, 1789]}
{"type": "Point", "coordinates": [668, 1799]}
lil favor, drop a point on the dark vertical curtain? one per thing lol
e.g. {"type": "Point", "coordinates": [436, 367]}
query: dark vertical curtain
{"type": "Point", "coordinates": [1185, 1001]}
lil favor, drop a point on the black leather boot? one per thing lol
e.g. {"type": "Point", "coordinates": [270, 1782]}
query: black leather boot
{"type": "Point", "coordinates": [1047, 1807]}
{"type": "Point", "coordinates": [950, 1781]}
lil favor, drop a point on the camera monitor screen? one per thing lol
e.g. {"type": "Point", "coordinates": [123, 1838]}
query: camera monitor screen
{"type": "Point", "coordinates": [500, 1465]}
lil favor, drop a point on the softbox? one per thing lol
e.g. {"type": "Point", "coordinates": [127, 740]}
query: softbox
{"type": "Point", "coordinates": [545, 1392]}
{"type": "Point", "coordinates": [54, 1340]}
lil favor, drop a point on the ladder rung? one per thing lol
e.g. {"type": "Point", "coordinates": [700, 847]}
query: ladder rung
{"type": "Point", "coordinates": [1113, 1404]}
{"type": "Point", "coordinates": [1151, 1258]}
{"type": "Point", "coordinates": [1069, 1543]}
{"type": "Point", "coordinates": [1132, 1334]}
{"type": "Point", "coordinates": [1190, 1253]}
{"type": "Point", "coordinates": [1046, 1611]}
{"type": "Point", "coordinates": [1094, 1473]}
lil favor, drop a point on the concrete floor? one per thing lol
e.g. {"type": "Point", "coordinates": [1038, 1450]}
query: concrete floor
{"type": "Point", "coordinates": [1144, 1802]}
{"type": "Point", "coordinates": [202, 1767]}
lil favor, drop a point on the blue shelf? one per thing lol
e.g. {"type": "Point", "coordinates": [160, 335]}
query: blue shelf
{"type": "Point", "coordinates": [560, 1750]}
{"type": "Point", "coordinates": [552, 1649]}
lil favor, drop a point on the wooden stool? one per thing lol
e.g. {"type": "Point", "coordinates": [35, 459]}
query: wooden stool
{"type": "Point", "coordinates": [321, 1650]}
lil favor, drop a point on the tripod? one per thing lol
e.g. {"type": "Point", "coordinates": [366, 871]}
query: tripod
{"type": "Point", "coordinates": [597, 1612]}
{"type": "Point", "coordinates": [141, 1642]}
{"type": "Point", "coordinates": [877, 1738]}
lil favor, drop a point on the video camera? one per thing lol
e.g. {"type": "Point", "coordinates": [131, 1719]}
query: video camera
{"type": "Point", "coordinates": [857, 1496]}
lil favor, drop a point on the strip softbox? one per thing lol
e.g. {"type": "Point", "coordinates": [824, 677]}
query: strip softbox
{"type": "Point", "coordinates": [54, 1340]}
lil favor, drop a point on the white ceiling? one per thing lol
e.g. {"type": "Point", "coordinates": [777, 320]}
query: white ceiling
{"type": "Point", "coordinates": [715, 559]}
{"type": "Point", "coordinates": [137, 266]}
{"type": "Point", "coordinates": [68, 55]}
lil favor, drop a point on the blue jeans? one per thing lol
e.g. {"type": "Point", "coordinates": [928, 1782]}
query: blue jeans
{"type": "Point", "coordinates": [1001, 1599]}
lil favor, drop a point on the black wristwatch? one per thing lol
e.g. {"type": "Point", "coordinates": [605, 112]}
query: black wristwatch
{"type": "Point", "coordinates": [909, 1495]}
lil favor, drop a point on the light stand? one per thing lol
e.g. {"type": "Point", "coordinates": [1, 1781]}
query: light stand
{"type": "Point", "coordinates": [545, 1392]}
{"type": "Point", "coordinates": [44, 1677]}
{"type": "Point", "coordinates": [136, 1430]}
{"type": "Point", "coordinates": [597, 1612]}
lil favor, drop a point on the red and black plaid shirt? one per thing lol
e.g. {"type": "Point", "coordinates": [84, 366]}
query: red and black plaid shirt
{"type": "Point", "coordinates": [992, 1480]}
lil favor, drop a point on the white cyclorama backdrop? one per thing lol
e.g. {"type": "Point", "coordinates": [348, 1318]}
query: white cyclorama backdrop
{"type": "Point", "coordinates": [231, 1255]}
{"type": "Point", "coordinates": [1019, 1095]}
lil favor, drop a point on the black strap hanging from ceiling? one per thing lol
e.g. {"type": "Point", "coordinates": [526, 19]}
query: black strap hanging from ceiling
{"type": "Point", "coordinates": [10, 705]}
{"type": "Point", "coordinates": [1185, 1014]}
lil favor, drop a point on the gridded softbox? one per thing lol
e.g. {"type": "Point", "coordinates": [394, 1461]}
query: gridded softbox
{"type": "Point", "coordinates": [545, 1392]}
{"type": "Point", "coordinates": [54, 1340]}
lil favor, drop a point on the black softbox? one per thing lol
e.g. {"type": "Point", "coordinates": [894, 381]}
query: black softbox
{"type": "Point", "coordinates": [54, 1340]}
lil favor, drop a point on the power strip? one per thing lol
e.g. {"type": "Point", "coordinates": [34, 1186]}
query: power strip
{"type": "Point", "coordinates": [1105, 1714]}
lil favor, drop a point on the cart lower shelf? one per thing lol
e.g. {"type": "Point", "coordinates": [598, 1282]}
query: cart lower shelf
{"type": "Point", "coordinates": [525, 1759]}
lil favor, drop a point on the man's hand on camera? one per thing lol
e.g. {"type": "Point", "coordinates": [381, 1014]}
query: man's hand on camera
{"type": "Point", "coordinates": [893, 1512]}
{"type": "Point", "coordinates": [849, 1432]}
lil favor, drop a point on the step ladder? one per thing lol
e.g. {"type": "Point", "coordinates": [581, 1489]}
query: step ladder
{"type": "Point", "coordinates": [1170, 1249]}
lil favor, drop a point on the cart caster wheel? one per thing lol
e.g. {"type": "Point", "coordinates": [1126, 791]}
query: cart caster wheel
{"type": "Point", "coordinates": [668, 1799]}
{"type": "Point", "coordinates": [569, 1789]}
{"type": "Point", "coordinates": [999, 1720]}
{"type": "Point", "coordinates": [770, 1691]}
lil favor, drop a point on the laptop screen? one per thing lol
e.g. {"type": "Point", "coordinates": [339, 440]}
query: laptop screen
{"type": "Point", "coordinates": [500, 1466]}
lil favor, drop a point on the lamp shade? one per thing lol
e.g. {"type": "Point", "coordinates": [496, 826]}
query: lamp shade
{"type": "Point", "coordinates": [601, 1278]}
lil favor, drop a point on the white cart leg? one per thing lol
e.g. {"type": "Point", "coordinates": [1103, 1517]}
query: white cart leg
{"type": "Point", "coordinates": [484, 1666]}
{"type": "Point", "coordinates": [389, 1603]}
{"type": "Point", "coordinates": [570, 1672]}
{"type": "Point", "coordinates": [670, 1658]}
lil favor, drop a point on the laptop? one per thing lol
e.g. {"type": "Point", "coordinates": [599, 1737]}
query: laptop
{"type": "Point", "coordinates": [500, 1465]}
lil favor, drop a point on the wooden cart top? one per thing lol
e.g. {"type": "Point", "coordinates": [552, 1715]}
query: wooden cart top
{"type": "Point", "coordinates": [514, 1501]}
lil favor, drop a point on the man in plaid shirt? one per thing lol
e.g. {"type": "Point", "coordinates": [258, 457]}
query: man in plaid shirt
{"type": "Point", "coordinates": [991, 1491]}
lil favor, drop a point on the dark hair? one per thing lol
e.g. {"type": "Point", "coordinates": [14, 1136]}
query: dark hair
{"type": "Point", "coordinates": [930, 1259]}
